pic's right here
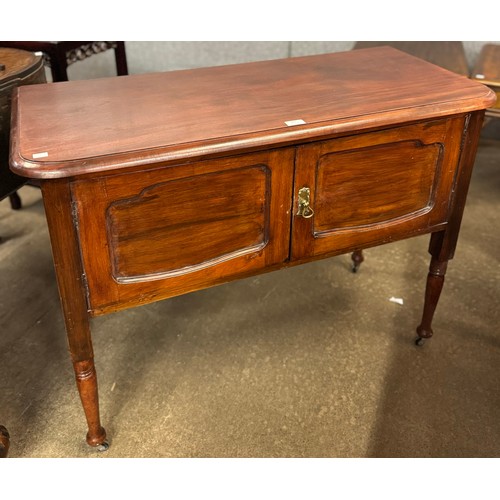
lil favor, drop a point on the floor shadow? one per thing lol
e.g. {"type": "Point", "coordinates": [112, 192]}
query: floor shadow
{"type": "Point", "coordinates": [442, 400]}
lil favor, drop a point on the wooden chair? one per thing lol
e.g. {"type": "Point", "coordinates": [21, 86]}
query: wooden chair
{"type": "Point", "coordinates": [60, 55]}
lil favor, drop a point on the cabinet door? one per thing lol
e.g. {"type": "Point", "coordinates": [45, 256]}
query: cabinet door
{"type": "Point", "coordinates": [373, 188]}
{"type": "Point", "coordinates": [169, 230]}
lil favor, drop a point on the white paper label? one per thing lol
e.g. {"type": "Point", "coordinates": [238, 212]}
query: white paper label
{"type": "Point", "coordinates": [40, 155]}
{"type": "Point", "coordinates": [291, 123]}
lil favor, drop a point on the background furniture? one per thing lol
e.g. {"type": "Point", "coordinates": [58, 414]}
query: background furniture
{"type": "Point", "coordinates": [17, 67]}
{"type": "Point", "coordinates": [229, 189]}
{"type": "Point", "coordinates": [60, 55]}
{"type": "Point", "coordinates": [487, 71]}
{"type": "Point", "coordinates": [448, 55]}
{"type": "Point", "coordinates": [57, 55]}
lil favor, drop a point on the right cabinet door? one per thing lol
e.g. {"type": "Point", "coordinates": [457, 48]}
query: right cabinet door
{"type": "Point", "coordinates": [365, 190]}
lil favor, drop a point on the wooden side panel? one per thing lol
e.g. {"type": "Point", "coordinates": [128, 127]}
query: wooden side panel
{"type": "Point", "coordinates": [171, 230]}
{"type": "Point", "coordinates": [376, 187]}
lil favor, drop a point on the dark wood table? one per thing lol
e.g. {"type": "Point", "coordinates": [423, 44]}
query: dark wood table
{"type": "Point", "coordinates": [160, 184]}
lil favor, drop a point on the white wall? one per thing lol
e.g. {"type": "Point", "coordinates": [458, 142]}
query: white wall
{"type": "Point", "coordinates": [144, 57]}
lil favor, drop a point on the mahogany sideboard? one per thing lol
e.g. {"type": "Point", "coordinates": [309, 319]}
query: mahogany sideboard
{"type": "Point", "coordinates": [160, 184]}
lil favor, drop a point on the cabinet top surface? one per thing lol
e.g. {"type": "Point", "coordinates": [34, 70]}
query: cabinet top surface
{"type": "Point", "coordinates": [79, 127]}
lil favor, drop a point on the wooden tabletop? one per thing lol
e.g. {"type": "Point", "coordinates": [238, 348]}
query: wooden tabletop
{"type": "Point", "coordinates": [79, 127]}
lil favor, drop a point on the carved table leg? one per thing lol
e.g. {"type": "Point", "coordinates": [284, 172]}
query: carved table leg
{"type": "Point", "coordinates": [357, 258]}
{"type": "Point", "coordinates": [435, 280]}
{"type": "Point", "coordinates": [72, 291]}
{"type": "Point", "coordinates": [4, 442]}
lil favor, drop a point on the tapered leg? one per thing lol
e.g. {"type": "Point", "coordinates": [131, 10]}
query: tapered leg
{"type": "Point", "coordinates": [73, 294]}
{"type": "Point", "coordinates": [435, 281]}
{"type": "Point", "coordinates": [86, 381]}
{"type": "Point", "coordinates": [357, 258]}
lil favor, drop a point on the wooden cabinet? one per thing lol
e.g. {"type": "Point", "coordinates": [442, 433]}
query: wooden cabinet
{"type": "Point", "coordinates": [173, 229]}
{"type": "Point", "coordinates": [157, 185]}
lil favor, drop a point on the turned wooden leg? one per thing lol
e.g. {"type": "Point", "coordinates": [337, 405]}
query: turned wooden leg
{"type": "Point", "coordinates": [86, 381]}
{"type": "Point", "coordinates": [435, 280]}
{"type": "Point", "coordinates": [73, 294]}
{"type": "Point", "coordinates": [4, 442]}
{"type": "Point", "coordinates": [357, 258]}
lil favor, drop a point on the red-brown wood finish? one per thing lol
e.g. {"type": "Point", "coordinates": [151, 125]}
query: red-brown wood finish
{"type": "Point", "coordinates": [70, 280]}
{"type": "Point", "coordinates": [158, 185]}
{"type": "Point", "coordinates": [110, 123]}
{"type": "Point", "coordinates": [374, 188]}
{"type": "Point", "coordinates": [165, 231]}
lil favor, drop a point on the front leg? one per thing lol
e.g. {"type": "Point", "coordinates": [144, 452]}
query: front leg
{"type": "Point", "coordinates": [86, 381]}
{"type": "Point", "coordinates": [73, 295]}
{"type": "Point", "coordinates": [435, 281]}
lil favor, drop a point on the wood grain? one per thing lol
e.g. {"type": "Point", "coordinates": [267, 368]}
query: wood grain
{"type": "Point", "coordinates": [232, 218]}
{"type": "Point", "coordinates": [73, 295]}
{"type": "Point", "coordinates": [184, 225]}
{"type": "Point", "coordinates": [375, 185]}
{"type": "Point", "coordinates": [106, 124]}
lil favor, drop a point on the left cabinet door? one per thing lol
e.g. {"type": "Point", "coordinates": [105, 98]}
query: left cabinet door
{"type": "Point", "coordinates": [169, 230]}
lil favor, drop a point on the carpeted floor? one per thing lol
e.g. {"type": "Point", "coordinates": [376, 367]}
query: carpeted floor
{"type": "Point", "coordinates": [312, 361]}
